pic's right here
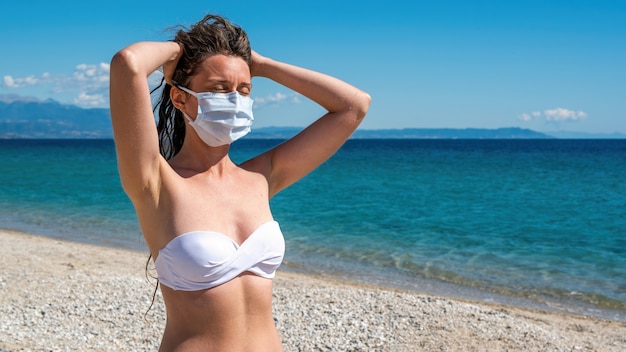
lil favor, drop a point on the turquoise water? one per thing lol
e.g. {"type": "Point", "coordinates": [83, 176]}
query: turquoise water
{"type": "Point", "coordinates": [540, 223]}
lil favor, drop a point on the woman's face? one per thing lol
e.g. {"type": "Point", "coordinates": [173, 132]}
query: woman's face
{"type": "Point", "coordinates": [218, 74]}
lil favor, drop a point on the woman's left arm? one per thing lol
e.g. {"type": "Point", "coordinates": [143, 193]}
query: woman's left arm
{"type": "Point", "coordinates": [295, 158]}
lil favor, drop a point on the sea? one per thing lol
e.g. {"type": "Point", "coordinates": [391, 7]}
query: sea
{"type": "Point", "coordinates": [532, 223]}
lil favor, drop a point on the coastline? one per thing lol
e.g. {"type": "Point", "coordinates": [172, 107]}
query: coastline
{"type": "Point", "coordinates": [58, 295]}
{"type": "Point", "coordinates": [432, 287]}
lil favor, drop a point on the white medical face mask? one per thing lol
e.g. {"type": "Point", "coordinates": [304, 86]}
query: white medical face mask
{"type": "Point", "coordinates": [222, 117]}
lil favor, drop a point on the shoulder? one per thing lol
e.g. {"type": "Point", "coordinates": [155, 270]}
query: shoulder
{"type": "Point", "coordinates": [261, 165]}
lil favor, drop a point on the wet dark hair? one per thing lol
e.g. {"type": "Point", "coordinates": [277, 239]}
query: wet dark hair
{"type": "Point", "coordinates": [210, 36]}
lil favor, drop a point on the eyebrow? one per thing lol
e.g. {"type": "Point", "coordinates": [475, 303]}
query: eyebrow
{"type": "Point", "coordinates": [226, 82]}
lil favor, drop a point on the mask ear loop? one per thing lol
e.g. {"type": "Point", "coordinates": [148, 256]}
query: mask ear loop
{"type": "Point", "coordinates": [176, 100]}
{"type": "Point", "coordinates": [187, 117]}
{"type": "Point", "coordinates": [187, 91]}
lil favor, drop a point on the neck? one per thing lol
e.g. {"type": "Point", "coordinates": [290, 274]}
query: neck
{"type": "Point", "coordinates": [198, 157]}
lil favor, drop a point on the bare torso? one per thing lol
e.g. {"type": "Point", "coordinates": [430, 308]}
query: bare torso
{"type": "Point", "coordinates": [234, 316]}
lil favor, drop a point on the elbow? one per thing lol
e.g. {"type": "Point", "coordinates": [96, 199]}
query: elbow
{"type": "Point", "coordinates": [361, 105]}
{"type": "Point", "coordinates": [124, 62]}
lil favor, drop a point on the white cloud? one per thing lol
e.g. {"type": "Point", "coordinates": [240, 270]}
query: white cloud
{"type": "Point", "coordinates": [270, 99]}
{"type": "Point", "coordinates": [18, 82]}
{"type": "Point", "coordinates": [275, 99]}
{"type": "Point", "coordinates": [89, 83]}
{"type": "Point", "coordinates": [560, 114]}
{"type": "Point", "coordinates": [95, 100]}
{"type": "Point", "coordinates": [9, 82]}
{"type": "Point", "coordinates": [554, 115]}
{"type": "Point", "coordinates": [91, 74]}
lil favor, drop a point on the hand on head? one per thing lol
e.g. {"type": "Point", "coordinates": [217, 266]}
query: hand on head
{"type": "Point", "coordinates": [256, 61]}
{"type": "Point", "coordinates": [170, 66]}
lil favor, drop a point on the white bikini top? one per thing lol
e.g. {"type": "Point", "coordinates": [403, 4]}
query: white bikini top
{"type": "Point", "coordinates": [201, 260]}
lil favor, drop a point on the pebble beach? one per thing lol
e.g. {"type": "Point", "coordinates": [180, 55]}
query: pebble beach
{"type": "Point", "coordinates": [67, 296]}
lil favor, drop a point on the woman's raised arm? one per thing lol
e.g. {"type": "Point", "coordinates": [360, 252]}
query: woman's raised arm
{"type": "Point", "coordinates": [346, 106]}
{"type": "Point", "coordinates": [134, 127]}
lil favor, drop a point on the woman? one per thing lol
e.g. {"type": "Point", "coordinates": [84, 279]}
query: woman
{"type": "Point", "coordinates": [207, 221]}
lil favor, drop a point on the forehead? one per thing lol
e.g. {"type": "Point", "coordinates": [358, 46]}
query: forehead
{"type": "Point", "coordinates": [221, 68]}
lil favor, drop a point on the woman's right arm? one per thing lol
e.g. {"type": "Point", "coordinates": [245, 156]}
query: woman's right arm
{"type": "Point", "coordinates": [134, 127]}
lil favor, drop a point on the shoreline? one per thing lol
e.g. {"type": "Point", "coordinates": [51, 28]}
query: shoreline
{"type": "Point", "coordinates": [56, 295]}
{"type": "Point", "coordinates": [449, 290]}
{"type": "Point", "coordinates": [566, 305]}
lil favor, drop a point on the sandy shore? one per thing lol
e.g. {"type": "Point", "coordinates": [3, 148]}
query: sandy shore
{"type": "Point", "coordinates": [61, 296]}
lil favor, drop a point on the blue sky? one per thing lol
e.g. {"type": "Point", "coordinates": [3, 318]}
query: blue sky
{"type": "Point", "coordinates": [544, 65]}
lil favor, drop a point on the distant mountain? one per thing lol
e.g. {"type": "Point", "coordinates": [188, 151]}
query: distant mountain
{"type": "Point", "coordinates": [415, 133]}
{"type": "Point", "coordinates": [9, 98]}
{"type": "Point", "coordinates": [22, 117]}
{"type": "Point", "coordinates": [51, 119]}
{"type": "Point", "coordinates": [452, 133]}
{"type": "Point", "coordinates": [583, 135]}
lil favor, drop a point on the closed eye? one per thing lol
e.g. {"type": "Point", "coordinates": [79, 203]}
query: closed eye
{"type": "Point", "coordinates": [218, 89]}
{"type": "Point", "coordinates": [244, 89]}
